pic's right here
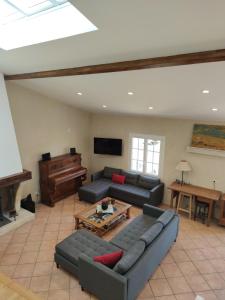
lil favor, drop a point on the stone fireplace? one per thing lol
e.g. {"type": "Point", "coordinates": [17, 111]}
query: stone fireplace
{"type": "Point", "coordinates": [11, 213]}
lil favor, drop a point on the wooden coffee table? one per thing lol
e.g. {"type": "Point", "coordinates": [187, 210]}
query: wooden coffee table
{"type": "Point", "coordinates": [89, 219]}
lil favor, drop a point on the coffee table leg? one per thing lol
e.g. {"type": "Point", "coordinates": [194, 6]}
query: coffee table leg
{"type": "Point", "coordinates": [128, 213]}
{"type": "Point", "coordinates": [76, 223]}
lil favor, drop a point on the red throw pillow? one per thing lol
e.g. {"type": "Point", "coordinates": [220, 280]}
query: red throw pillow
{"type": "Point", "coordinates": [109, 259]}
{"type": "Point", "coordinates": [118, 178]}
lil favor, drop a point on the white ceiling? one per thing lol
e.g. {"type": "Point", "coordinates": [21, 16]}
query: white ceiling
{"type": "Point", "coordinates": [132, 29]}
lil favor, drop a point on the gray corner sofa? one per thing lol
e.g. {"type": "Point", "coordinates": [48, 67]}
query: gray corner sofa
{"type": "Point", "coordinates": [137, 190]}
{"type": "Point", "coordinates": [145, 241]}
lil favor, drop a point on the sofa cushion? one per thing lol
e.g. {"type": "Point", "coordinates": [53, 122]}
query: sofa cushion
{"type": "Point", "coordinates": [132, 232]}
{"type": "Point", "coordinates": [131, 177]}
{"type": "Point", "coordinates": [148, 182]}
{"type": "Point", "coordinates": [108, 171]}
{"type": "Point", "coordinates": [116, 178]}
{"type": "Point", "coordinates": [149, 235]}
{"type": "Point", "coordinates": [130, 258]}
{"type": "Point", "coordinates": [109, 259]}
{"type": "Point", "coordinates": [166, 217]}
{"type": "Point", "coordinates": [83, 241]}
{"type": "Point", "coordinates": [128, 192]}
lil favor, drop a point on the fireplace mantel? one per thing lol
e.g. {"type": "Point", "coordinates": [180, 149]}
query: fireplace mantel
{"type": "Point", "coordinates": [15, 179]}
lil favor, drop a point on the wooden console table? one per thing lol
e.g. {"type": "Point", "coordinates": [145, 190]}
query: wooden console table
{"type": "Point", "coordinates": [222, 211]}
{"type": "Point", "coordinates": [206, 195]}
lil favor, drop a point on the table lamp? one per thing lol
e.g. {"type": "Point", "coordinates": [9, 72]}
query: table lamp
{"type": "Point", "coordinates": [183, 166]}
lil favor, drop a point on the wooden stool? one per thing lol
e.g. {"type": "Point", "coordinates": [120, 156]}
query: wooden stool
{"type": "Point", "coordinates": [180, 202]}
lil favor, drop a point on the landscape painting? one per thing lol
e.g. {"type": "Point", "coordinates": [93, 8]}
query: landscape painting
{"type": "Point", "coordinates": [208, 136]}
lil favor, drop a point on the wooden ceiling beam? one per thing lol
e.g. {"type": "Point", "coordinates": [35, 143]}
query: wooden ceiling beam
{"type": "Point", "coordinates": [140, 64]}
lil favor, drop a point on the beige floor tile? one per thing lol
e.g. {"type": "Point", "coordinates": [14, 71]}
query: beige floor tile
{"type": "Point", "coordinates": [146, 293]}
{"type": "Point", "coordinates": [43, 268]}
{"type": "Point", "coordinates": [74, 283]}
{"type": "Point", "coordinates": [186, 296]}
{"type": "Point", "coordinates": [77, 294]}
{"type": "Point", "coordinates": [171, 297]}
{"type": "Point", "coordinates": [204, 267]}
{"type": "Point", "coordinates": [14, 248]}
{"type": "Point", "coordinates": [60, 281]}
{"type": "Point", "coordinates": [28, 257]}
{"type": "Point", "coordinates": [171, 270]}
{"type": "Point", "coordinates": [220, 294]}
{"type": "Point", "coordinates": [46, 255]}
{"type": "Point", "coordinates": [210, 295]}
{"type": "Point", "coordinates": [197, 283]}
{"type": "Point", "coordinates": [168, 259]}
{"type": "Point", "coordinates": [158, 273]}
{"type": "Point", "coordinates": [10, 259]}
{"type": "Point", "coordinates": [160, 287]}
{"type": "Point", "coordinates": [179, 285]}
{"type": "Point", "coordinates": [24, 281]}
{"type": "Point", "coordinates": [180, 256]}
{"type": "Point", "coordinates": [195, 254]}
{"type": "Point", "coordinates": [218, 264]}
{"type": "Point", "coordinates": [188, 268]}
{"type": "Point", "coordinates": [40, 283]}
{"type": "Point", "coordinates": [59, 295]}
{"type": "Point", "coordinates": [25, 270]}
{"type": "Point", "coordinates": [32, 246]}
{"type": "Point", "coordinates": [8, 270]}
{"type": "Point", "coordinates": [42, 295]}
{"type": "Point", "coordinates": [215, 281]}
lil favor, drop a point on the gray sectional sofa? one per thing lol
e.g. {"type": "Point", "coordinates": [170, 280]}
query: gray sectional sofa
{"type": "Point", "coordinates": [137, 190]}
{"type": "Point", "coordinates": [145, 241]}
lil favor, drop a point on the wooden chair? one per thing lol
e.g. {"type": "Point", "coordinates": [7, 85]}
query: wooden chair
{"type": "Point", "coordinates": [180, 207]}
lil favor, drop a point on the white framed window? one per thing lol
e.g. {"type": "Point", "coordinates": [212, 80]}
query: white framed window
{"type": "Point", "coordinates": [146, 154]}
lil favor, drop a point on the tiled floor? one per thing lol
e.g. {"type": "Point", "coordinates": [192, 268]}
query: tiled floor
{"type": "Point", "coordinates": [194, 266]}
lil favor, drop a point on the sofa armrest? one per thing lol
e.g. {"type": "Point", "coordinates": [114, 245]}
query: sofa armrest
{"type": "Point", "coordinates": [96, 175]}
{"type": "Point", "coordinates": [156, 194]}
{"type": "Point", "coordinates": [101, 280]}
{"type": "Point", "coordinates": [152, 211]}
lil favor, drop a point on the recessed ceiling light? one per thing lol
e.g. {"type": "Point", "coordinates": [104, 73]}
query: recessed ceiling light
{"type": "Point", "coordinates": [130, 93]}
{"type": "Point", "coordinates": [150, 107]}
{"type": "Point", "coordinates": [104, 106]}
{"type": "Point", "coordinates": [79, 93]}
{"type": "Point", "coordinates": [214, 109]}
{"type": "Point", "coordinates": [205, 91]}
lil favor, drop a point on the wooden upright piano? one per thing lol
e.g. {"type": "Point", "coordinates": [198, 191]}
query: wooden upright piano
{"type": "Point", "coordinates": [60, 177]}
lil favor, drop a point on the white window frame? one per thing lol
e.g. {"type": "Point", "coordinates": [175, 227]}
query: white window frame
{"type": "Point", "coordinates": [162, 151]}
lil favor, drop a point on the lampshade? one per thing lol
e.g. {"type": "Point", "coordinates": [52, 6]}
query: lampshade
{"type": "Point", "coordinates": [183, 166]}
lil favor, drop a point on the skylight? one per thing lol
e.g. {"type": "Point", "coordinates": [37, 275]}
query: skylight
{"type": "Point", "coordinates": [29, 22]}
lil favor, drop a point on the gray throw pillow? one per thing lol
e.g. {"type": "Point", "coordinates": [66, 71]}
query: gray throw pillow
{"type": "Point", "coordinates": [148, 182]}
{"type": "Point", "coordinates": [108, 171]}
{"type": "Point", "coordinates": [131, 178]}
{"type": "Point", "coordinates": [130, 258]}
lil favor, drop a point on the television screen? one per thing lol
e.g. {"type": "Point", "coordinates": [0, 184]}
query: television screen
{"type": "Point", "coordinates": [107, 146]}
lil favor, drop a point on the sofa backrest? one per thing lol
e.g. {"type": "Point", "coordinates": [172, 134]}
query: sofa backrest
{"type": "Point", "coordinates": [148, 182]}
{"type": "Point", "coordinates": [130, 257]}
{"type": "Point", "coordinates": [108, 171]}
{"type": "Point", "coordinates": [149, 236]}
{"type": "Point", "coordinates": [166, 217]}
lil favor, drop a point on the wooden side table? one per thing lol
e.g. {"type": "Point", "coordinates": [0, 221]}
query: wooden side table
{"type": "Point", "coordinates": [222, 211]}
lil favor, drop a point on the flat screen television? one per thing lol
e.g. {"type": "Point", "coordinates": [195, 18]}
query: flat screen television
{"type": "Point", "coordinates": [107, 146]}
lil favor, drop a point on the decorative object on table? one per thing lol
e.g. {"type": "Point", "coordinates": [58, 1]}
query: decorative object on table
{"type": "Point", "coordinates": [183, 166]}
{"type": "Point", "coordinates": [105, 205]}
{"type": "Point", "coordinates": [73, 151]}
{"type": "Point", "coordinates": [208, 136]}
{"type": "Point", "coordinates": [46, 156]}
{"type": "Point", "coordinates": [108, 210]}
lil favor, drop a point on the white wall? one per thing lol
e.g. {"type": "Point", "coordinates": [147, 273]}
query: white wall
{"type": "Point", "coordinates": [10, 162]}
{"type": "Point", "coordinates": [45, 125]}
{"type": "Point", "coordinates": [177, 137]}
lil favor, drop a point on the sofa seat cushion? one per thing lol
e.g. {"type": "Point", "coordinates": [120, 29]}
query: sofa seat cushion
{"type": "Point", "coordinates": [132, 232]}
{"type": "Point", "coordinates": [95, 191]}
{"type": "Point", "coordinates": [130, 258]}
{"type": "Point", "coordinates": [149, 235]}
{"type": "Point", "coordinates": [148, 182]}
{"type": "Point", "coordinates": [83, 241]}
{"type": "Point", "coordinates": [108, 171]}
{"type": "Point", "coordinates": [128, 191]}
{"type": "Point", "coordinates": [166, 217]}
